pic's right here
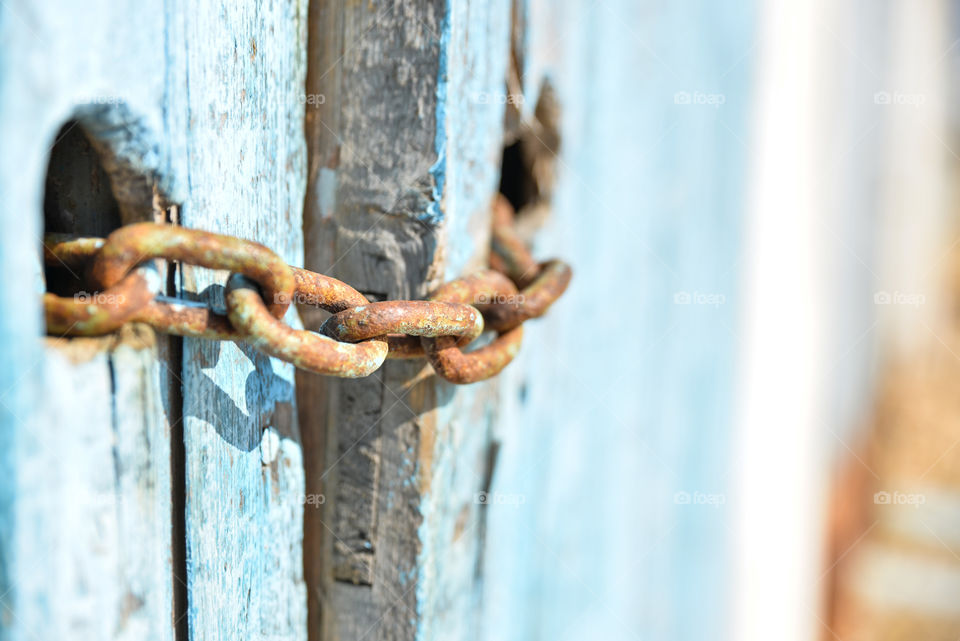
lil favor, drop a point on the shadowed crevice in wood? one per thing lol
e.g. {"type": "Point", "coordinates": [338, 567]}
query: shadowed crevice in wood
{"type": "Point", "coordinates": [104, 171]}
{"type": "Point", "coordinates": [172, 353]}
{"type": "Point", "coordinates": [130, 153]}
{"type": "Point", "coordinates": [101, 174]}
{"type": "Point", "coordinates": [78, 199]}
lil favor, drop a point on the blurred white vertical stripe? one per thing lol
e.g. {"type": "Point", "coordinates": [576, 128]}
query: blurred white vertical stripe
{"type": "Point", "coordinates": [778, 492]}
{"type": "Point", "coordinates": [850, 198]}
{"type": "Point", "coordinates": [917, 224]}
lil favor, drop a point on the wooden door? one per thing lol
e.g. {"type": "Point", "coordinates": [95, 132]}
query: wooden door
{"type": "Point", "coordinates": [165, 488]}
{"type": "Point", "coordinates": [158, 485]}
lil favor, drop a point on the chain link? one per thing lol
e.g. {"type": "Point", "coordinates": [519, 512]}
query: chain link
{"type": "Point", "coordinates": [353, 342]}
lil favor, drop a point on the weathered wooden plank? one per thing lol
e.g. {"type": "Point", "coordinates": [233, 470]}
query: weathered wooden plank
{"type": "Point", "coordinates": [456, 459]}
{"type": "Point", "coordinates": [85, 533]}
{"type": "Point", "coordinates": [239, 69]}
{"type": "Point", "coordinates": [142, 442]}
{"type": "Point", "coordinates": [96, 526]}
{"type": "Point", "coordinates": [405, 142]}
{"type": "Point", "coordinates": [214, 123]}
{"type": "Point", "coordinates": [790, 258]}
{"type": "Point", "coordinates": [619, 400]}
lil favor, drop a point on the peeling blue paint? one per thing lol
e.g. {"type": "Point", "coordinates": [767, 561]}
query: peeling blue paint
{"type": "Point", "coordinates": [473, 61]}
{"type": "Point", "coordinates": [434, 213]}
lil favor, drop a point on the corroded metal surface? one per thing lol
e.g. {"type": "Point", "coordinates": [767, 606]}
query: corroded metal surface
{"type": "Point", "coordinates": [325, 292]}
{"type": "Point", "coordinates": [452, 363]}
{"type": "Point", "coordinates": [186, 318]}
{"type": "Point", "coordinates": [133, 244]}
{"type": "Point", "coordinates": [69, 252]}
{"type": "Point", "coordinates": [353, 342]}
{"type": "Point", "coordinates": [95, 313]}
{"type": "Point", "coordinates": [307, 350]}
{"type": "Point", "coordinates": [410, 317]}
{"type": "Point", "coordinates": [90, 313]}
{"type": "Point", "coordinates": [532, 301]}
{"type": "Point", "coordinates": [511, 255]}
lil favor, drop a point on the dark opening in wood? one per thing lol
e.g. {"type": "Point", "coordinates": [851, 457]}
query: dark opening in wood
{"type": "Point", "coordinates": [516, 183]}
{"type": "Point", "coordinates": [78, 199]}
{"type": "Point", "coordinates": [528, 166]}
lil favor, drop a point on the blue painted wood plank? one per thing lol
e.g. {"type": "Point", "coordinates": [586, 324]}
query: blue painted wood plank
{"type": "Point", "coordinates": [207, 103]}
{"type": "Point", "coordinates": [85, 529]}
{"type": "Point", "coordinates": [619, 445]}
{"type": "Point", "coordinates": [239, 69]}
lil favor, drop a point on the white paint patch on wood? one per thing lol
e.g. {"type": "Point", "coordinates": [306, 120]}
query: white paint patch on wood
{"type": "Point", "coordinates": [779, 523]}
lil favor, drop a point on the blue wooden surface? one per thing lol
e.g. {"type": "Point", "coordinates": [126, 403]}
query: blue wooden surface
{"type": "Point", "coordinates": [85, 524]}
{"type": "Point", "coordinates": [626, 394]}
{"type": "Point", "coordinates": [207, 102]}
{"type": "Point", "coordinates": [244, 67]}
{"type": "Point", "coordinates": [475, 52]}
{"type": "Point", "coordinates": [619, 401]}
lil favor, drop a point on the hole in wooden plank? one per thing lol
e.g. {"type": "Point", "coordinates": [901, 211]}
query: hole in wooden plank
{"type": "Point", "coordinates": [77, 194]}
{"type": "Point", "coordinates": [100, 175]}
{"type": "Point", "coordinates": [78, 199]}
{"type": "Point", "coordinates": [528, 169]}
{"type": "Point", "coordinates": [103, 172]}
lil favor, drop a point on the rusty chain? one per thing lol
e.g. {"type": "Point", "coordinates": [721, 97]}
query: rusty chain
{"type": "Point", "coordinates": [353, 342]}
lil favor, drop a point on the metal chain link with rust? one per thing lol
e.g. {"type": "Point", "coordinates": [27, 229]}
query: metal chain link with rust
{"type": "Point", "coordinates": [353, 342]}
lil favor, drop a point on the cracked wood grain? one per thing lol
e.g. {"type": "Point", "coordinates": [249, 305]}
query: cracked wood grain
{"type": "Point", "coordinates": [403, 158]}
